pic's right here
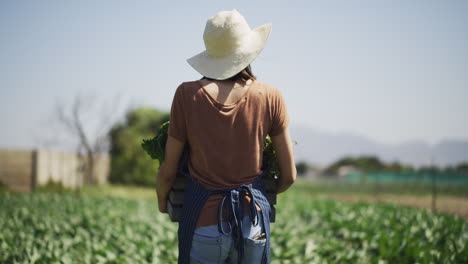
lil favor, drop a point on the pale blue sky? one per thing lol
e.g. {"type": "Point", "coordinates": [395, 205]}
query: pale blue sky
{"type": "Point", "coordinates": [390, 70]}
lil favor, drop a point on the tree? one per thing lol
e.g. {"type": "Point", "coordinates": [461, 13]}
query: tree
{"type": "Point", "coordinates": [88, 123]}
{"type": "Point", "coordinates": [129, 163]}
{"type": "Point", "coordinates": [428, 169]}
{"type": "Point", "coordinates": [363, 163]}
{"type": "Point", "coordinates": [302, 167]}
{"type": "Point", "coordinates": [398, 168]}
{"type": "Point", "coordinates": [462, 167]}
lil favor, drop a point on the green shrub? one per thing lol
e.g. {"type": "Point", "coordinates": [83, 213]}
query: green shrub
{"type": "Point", "coordinates": [129, 164]}
{"type": "Point", "coordinates": [53, 186]}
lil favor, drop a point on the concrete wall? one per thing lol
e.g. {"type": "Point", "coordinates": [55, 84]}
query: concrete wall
{"type": "Point", "coordinates": [17, 169]}
{"type": "Point", "coordinates": [59, 167]}
{"type": "Point", "coordinates": [23, 170]}
{"type": "Point", "coordinates": [102, 169]}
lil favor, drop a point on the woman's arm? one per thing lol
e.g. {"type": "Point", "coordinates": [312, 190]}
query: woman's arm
{"type": "Point", "coordinates": [168, 171]}
{"type": "Point", "coordinates": [283, 147]}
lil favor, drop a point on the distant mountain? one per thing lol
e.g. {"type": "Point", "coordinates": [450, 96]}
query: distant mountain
{"type": "Point", "coordinates": [322, 148]}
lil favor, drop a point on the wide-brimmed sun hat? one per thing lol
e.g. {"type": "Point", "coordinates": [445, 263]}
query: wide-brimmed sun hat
{"type": "Point", "coordinates": [230, 45]}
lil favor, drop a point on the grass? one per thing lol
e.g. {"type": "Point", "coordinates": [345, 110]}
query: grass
{"type": "Point", "coordinates": [330, 186]}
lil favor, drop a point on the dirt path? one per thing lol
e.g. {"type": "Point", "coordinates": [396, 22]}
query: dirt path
{"type": "Point", "coordinates": [448, 204]}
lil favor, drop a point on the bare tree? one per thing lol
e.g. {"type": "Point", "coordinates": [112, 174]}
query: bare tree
{"type": "Point", "coordinates": [88, 123]}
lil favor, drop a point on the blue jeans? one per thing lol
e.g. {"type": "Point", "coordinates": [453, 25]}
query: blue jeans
{"type": "Point", "coordinates": [209, 246]}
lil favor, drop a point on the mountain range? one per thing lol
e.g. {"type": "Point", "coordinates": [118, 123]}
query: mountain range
{"type": "Point", "coordinates": [323, 148]}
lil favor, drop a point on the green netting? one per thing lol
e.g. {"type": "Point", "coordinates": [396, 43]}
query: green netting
{"type": "Point", "coordinates": [410, 178]}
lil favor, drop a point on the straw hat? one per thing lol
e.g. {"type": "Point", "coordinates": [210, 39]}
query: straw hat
{"type": "Point", "coordinates": [230, 45]}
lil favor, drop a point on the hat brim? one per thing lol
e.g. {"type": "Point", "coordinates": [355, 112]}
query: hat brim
{"type": "Point", "coordinates": [225, 67]}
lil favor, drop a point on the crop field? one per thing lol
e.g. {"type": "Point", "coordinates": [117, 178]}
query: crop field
{"type": "Point", "coordinates": [96, 228]}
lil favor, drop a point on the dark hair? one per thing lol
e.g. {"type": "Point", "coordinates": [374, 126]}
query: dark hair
{"type": "Point", "coordinates": [243, 76]}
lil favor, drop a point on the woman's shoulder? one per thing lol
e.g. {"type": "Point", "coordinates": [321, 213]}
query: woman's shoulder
{"type": "Point", "coordinates": [192, 87]}
{"type": "Point", "coordinates": [267, 88]}
{"type": "Point", "coordinates": [188, 87]}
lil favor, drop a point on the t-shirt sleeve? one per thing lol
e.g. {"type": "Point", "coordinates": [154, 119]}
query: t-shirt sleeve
{"type": "Point", "coordinates": [279, 114]}
{"type": "Point", "coordinates": [177, 124]}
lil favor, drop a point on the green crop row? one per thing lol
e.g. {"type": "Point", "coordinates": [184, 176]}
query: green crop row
{"type": "Point", "coordinates": [64, 228]}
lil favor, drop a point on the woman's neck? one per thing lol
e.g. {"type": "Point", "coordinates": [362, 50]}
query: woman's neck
{"type": "Point", "coordinates": [225, 92]}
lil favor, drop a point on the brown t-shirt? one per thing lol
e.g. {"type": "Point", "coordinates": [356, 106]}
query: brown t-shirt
{"type": "Point", "coordinates": [226, 141]}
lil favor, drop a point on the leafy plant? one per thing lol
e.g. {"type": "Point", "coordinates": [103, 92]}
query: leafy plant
{"type": "Point", "coordinates": [155, 147]}
{"type": "Point", "coordinates": [63, 228]}
{"type": "Point", "coordinates": [53, 186]}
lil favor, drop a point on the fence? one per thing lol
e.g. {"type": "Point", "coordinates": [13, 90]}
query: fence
{"type": "Point", "coordinates": [410, 178]}
{"type": "Point", "coordinates": [24, 170]}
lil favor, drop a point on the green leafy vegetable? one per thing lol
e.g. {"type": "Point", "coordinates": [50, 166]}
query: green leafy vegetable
{"type": "Point", "coordinates": [155, 147]}
{"type": "Point", "coordinates": [64, 228]}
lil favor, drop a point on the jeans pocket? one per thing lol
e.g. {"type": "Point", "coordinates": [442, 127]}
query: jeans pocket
{"type": "Point", "coordinates": [206, 240]}
{"type": "Point", "coordinates": [253, 250]}
{"type": "Point", "coordinates": [254, 247]}
{"type": "Point", "coordinates": [205, 249]}
{"type": "Point", "coordinates": [255, 242]}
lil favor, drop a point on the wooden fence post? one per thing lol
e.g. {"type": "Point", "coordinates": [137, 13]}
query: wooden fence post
{"type": "Point", "coordinates": [434, 187]}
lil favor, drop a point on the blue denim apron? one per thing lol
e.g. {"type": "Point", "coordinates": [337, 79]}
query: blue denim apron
{"type": "Point", "coordinates": [194, 199]}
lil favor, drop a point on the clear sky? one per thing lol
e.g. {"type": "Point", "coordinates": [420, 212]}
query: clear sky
{"type": "Point", "coordinates": [390, 70]}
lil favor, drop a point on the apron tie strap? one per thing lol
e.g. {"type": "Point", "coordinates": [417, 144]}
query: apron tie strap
{"type": "Point", "coordinates": [235, 214]}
